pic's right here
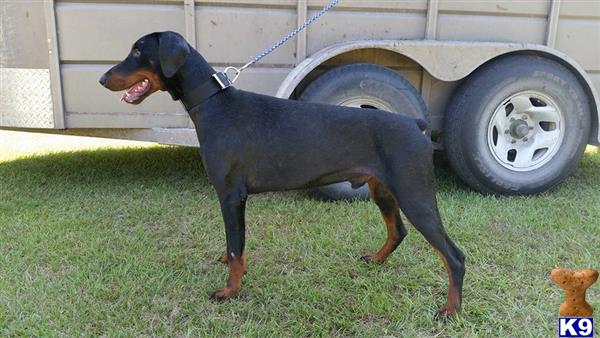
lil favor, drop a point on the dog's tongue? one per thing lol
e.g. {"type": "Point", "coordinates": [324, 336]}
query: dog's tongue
{"type": "Point", "coordinates": [135, 91]}
{"type": "Point", "coordinates": [127, 96]}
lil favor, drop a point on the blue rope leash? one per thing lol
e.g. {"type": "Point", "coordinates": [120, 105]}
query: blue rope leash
{"type": "Point", "coordinates": [282, 41]}
{"type": "Point", "coordinates": [292, 33]}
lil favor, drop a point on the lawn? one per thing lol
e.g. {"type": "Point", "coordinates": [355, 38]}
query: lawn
{"type": "Point", "coordinates": [125, 241]}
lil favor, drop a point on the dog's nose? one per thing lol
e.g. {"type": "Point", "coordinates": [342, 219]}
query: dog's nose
{"type": "Point", "coordinates": [103, 80]}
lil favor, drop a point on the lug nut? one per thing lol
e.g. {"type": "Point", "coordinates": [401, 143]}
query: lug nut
{"type": "Point", "coordinates": [507, 131]}
{"type": "Point", "coordinates": [512, 119]}
{"type": "Point", "coordinates": [513, 141]}
{"type": "Point", "coordinates": [530, 127]}
{"type": "Point", "coordinates": [525, 139]}
{"type": "Point", "coordinates": [524, 117]}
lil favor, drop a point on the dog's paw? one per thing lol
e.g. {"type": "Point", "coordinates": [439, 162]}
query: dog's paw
{"type": "Point", "coordinates": [223, 294]}
{"type": "Point", "coordinates": [445, 314]}
{"type": "Point", "coordinates": [372, 259]}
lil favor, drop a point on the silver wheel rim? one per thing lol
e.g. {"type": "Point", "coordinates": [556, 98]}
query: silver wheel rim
{"type": "Point", "coordinates": [525, 131]}
{"type": "Point", "coordinates": [366, 102]}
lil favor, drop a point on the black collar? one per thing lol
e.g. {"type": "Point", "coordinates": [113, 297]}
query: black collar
{"type": "Point", "coordinates": [217, 82]}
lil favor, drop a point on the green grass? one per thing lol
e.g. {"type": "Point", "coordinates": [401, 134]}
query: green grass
{"type": "Point", "coordinates": [124, 242]}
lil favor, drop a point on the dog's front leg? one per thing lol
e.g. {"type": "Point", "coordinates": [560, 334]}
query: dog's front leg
{"type": "Point", "coordinates": [233, 203]}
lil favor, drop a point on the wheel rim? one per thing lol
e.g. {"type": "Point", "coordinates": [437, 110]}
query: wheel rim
{"type": "Point", "coordinates": [368, 102]}
{"type": "Point", "coordinates": [525, 131]}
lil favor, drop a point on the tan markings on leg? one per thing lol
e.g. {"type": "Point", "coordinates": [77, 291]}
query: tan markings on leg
{"type": "Point", "coordinates": [452, 305]}
{"type": "Point", "coordinates": [391, 217]}
{"type": "Point", "coordinates": [223, 260]}
{"type": "Point", "coordinates": [390, 242]}
{"type": "Point", "coordinates": [234, 282]}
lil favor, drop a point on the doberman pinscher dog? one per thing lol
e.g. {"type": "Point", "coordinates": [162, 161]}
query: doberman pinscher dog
{"type": "Point", "coordinates": [252, 143]}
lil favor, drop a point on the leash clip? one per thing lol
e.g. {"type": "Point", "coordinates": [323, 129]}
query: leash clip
{"type": "Point", "coordinates": [223, 78]}
{"type": "Point", "coordinates": [236, 73]}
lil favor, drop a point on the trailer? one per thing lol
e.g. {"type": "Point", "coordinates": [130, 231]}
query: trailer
{"type": "Point", "coordinates": [509, 87]}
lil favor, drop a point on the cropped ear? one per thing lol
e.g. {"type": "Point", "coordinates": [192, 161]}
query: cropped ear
{"type": "Point", "coordinates": [172, 52]}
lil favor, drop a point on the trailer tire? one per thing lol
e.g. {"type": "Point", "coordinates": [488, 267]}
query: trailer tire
{"type": "Point", "coordinates": [366, 86]}
{"type": "Point", "coordinates": [518, 125]}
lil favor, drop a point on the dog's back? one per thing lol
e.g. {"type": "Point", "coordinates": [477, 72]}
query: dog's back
{"type": "Point", "coordinates": [277, 140]}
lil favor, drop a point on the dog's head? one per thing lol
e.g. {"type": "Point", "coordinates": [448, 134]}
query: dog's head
{"type": "Point", "coordinates": [152, 61]}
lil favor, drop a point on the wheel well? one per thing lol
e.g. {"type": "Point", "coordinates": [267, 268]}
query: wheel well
{"type": "Point", "coordinates": [402, 64]}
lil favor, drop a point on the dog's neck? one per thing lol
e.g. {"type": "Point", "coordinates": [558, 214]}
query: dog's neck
{"type": "Point", "coordinates": [193, 74]}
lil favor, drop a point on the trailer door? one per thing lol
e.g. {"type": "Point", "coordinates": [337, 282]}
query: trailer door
{"type": "Point", "coordinates": [29, 90]}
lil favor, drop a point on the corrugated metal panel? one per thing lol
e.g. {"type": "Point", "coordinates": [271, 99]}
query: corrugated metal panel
{"type": "Point", "coordinates": [343, 26]}
{"type": "Point", "coordinates": [23, 35]}
{"type": "Point", "coordinates": [250, 3]}
{"type": "Point", "coordinates": [377, 5]}
{"type": "Point", "coordinates": [580, 38]}
{"type": "Point", "coordinates": [491, 28]}
{"type": "Point", "coordinates": [505, 7]}
{"type": "Point", "coordinates": [580, 8]}
{"type": "Point", "coordinates": [235, 34]}
{"type": "Point", "coordinates": [105, 32]}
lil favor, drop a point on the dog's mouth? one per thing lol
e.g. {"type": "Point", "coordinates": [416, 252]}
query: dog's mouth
{"type": "Point", "coordinates": [135, 94]}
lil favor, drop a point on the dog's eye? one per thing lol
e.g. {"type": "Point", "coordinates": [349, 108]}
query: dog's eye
{"type": "Point", "coordinates": [136, 52]}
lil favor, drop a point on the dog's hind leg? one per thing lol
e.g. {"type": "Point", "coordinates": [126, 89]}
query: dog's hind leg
{"type": "Point", "coordinates": [233, 202]}
{"type": "Point", "coordinates": [391, 215]}
{"type": "Point", "coordinates": [416, 197]}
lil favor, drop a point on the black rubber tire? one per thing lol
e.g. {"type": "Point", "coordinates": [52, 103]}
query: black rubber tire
{"type": "Point", "coordinates": [472, 107]}
{"type": "Point", "coordinates": [364, 80]}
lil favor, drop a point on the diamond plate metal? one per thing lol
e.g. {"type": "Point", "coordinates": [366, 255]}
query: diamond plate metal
{"type": "Point", "coordinates": [25, 98]}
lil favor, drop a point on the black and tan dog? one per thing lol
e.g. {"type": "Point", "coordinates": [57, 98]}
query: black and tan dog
{"type": "Point", "coordinates": [253, 143]}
